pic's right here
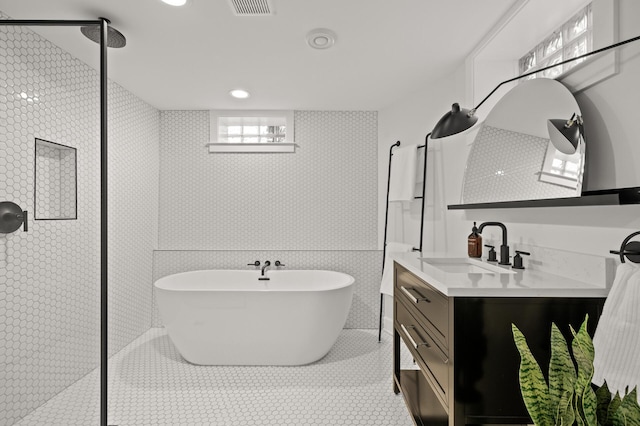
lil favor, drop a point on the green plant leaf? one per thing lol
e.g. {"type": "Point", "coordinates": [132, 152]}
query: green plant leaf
{"type": "Point", "coordinates": [562, 373]}
{"type": "Point", "coordinates": [565, 416]}
{"type": "Point", "coordinates": [589, 406]}
{"type": "Point", "coordinates": [613, 409]}
{"type": "Point", "coordinates": [629, 408]}
{"type": "Point", "coordinates": [533, 386]}
{"type": "Point", "coordinates": [618, 418]}
{"type": "Point", "coordinates": [603, 397]}
{"type": "Point", "coordinates": [583, 352]}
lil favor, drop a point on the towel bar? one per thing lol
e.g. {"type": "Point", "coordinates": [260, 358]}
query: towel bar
{"type": "Point", "coordinates": [630, 250]}
{"type": "Point", "coordinates": [386, 217]}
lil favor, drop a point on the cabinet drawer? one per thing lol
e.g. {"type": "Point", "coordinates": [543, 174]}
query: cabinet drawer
{"type": "Point", "coordinates": [432, 305]}
{"type": "Point", "coordinates": [424, 345]}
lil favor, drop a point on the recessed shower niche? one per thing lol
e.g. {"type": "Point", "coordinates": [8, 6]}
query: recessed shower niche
{"type": "Point", "coordinates": [55, 181]}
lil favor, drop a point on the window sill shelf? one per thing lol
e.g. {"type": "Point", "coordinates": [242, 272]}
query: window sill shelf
{"type": "Point", "coordinates": [251, 147]}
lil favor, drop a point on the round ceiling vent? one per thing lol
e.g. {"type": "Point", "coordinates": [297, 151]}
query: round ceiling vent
{"type": "Point", "coordinates": [321, 38]}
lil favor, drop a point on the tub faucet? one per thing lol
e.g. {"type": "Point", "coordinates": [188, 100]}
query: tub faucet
{"type": "Point", "coordinates": [264, 267]}
{"type": "Point", "coordinates": [504, 248]}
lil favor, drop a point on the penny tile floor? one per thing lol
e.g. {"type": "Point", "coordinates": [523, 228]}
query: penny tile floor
{"type": "Point", "coordinates": [150, 384]}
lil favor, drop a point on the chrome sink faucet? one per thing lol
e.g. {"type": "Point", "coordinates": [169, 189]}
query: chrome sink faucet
{"type": "Point", "coordinates": [504, 248]}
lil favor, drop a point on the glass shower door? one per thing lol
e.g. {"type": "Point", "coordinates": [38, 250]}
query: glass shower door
{"type": "Point", "coordinates": [50, 270]}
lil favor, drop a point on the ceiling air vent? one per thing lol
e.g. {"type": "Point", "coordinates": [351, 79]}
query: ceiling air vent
{"type": "Point", "coordinates": [252, 7]}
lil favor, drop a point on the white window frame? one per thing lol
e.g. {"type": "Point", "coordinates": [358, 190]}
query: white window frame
{"type": "Point", "coordinates": [216, 145]}
{"type": "Point", "coordinates": [604, 65]}
{"type": "Point", "coordinates": [479, 65]}
{"type": "Point", "coordinates": [560, 52]}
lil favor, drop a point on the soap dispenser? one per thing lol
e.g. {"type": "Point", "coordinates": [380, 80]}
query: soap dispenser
{"type": "Point", "coordinates": [474, 243]}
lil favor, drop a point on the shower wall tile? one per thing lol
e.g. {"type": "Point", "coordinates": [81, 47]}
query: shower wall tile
{"type": "Point", "coordinates": [322, 197]}
{"type": "Point", "coordinates": [50, 276]}
{"type": "Point", "coordinates": [134, 134]}
{"type": "Point", "coordinates": [363, 265]}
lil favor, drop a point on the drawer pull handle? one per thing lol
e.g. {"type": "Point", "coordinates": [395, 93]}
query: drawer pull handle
{"type": "Point", "coordinates": [415, 299]}
{"type": "Point", "coordinates": [444, 359]}
{"type": "Point", "coordinates": [413, 342]}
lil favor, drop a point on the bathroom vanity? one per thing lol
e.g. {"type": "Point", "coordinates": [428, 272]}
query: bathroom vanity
{"type": "Point", "coordinates": [455, 318]}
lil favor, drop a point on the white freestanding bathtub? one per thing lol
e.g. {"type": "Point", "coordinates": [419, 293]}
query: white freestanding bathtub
{"type": "Point", "coordinates": [229, 317]}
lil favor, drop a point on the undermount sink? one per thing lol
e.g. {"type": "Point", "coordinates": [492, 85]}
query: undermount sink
{"type": "Point", "coordinates": [463, 265]}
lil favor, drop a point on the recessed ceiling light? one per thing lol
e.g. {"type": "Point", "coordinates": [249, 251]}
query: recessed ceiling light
{"type": "Point", "coordinates": [321, 38]}
{"type": "Point", "coordinates": [239, 93]}
{"type": "Point", "coordinates": [175, 2]}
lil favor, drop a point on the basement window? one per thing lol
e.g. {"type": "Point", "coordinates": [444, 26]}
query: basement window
{"type": "Point", "coordinates": [572, 39]}
{"type": "Point", "coordinates": [251, 131]}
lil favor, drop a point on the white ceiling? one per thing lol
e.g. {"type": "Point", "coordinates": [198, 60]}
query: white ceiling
{"type": "Point", "coordinates": [190, 57]}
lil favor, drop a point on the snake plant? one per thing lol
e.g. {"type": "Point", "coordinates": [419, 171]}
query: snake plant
{"type": "Point", "coordinates": [569, 398]}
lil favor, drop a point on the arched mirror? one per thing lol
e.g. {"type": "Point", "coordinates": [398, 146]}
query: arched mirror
{"type": "Point", "coordinates": [512, 157]}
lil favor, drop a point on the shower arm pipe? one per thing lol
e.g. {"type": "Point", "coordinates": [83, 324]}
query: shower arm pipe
{"type": "Point", "coordinates": [53, 23]}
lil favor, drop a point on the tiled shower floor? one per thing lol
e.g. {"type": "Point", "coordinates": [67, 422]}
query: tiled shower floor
{"type": "Point", "coordinates": [150, 384]}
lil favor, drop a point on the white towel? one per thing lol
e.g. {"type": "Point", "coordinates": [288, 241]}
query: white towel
{"type": "Point", "coordinates": [386, 285]}
{"type": "Point", "coordinates": [617, 337]}
{"type": "Point", "coordinates": [403, 174]}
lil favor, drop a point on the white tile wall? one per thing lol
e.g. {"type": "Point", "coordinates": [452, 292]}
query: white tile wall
{"type": "Point", "coordinates": [363, 265]}
{"type": "Point", "coordinates": [322, 197]}
{"type": "Point", "coordinates": [50, 276]}
{"type": "Point", "coordinates": [134, 131]}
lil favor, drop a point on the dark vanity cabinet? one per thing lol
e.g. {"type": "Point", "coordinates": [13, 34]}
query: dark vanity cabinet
{"type": "Point", "coordinates": [466, 362]}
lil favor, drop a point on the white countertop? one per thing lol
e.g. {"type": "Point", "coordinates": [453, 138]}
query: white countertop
{"type": "Point", "coordinates": [520, 283]}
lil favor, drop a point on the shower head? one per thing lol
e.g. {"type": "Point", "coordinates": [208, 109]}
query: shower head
{"type": "Point", "coordinates": [114, 37]}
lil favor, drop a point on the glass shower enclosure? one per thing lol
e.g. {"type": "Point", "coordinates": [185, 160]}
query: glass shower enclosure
{"type": "Point", "coordinates": [53, 227]}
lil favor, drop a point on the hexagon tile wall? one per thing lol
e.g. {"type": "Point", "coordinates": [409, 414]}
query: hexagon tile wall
{"type": "Point", "coordinates": [50, 276]}
{"type": "Point", "coordinates": [322, 197]}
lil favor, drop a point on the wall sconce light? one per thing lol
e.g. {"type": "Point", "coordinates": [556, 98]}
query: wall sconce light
{"type": "Point", "coordinates": [459, 119]}
{"type": "Point", "coordinates": [565, 135]}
